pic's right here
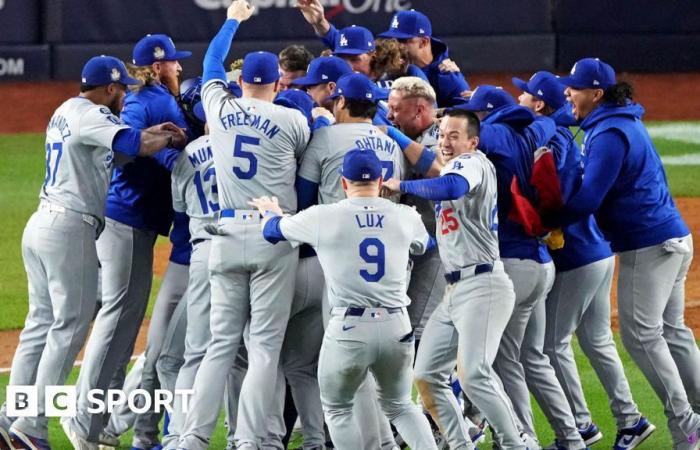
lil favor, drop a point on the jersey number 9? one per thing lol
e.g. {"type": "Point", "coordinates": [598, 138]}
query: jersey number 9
{"type": "Point", "coordinates": [375, 257]}
{"type": "Point", "coordinates": [238, 152]}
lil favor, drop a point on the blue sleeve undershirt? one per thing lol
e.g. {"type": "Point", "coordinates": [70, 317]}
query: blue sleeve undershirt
{"type": "Point", "coordinates": [127, 141]}
{"type": "Point", "coordinates": [427, 156]}
{"type": "Point", "coordinates": [272, 231]}
{"type": "Point", "coordinates": [329, 38]}
{"type": "Point", "coordinates": [307, 193]}
{"type": "Point", "coordinates": [605, 156]}
{"type": "Point", "coordinates": [217, 52]}
{"type": "Point", "coordinates": [448, 187]}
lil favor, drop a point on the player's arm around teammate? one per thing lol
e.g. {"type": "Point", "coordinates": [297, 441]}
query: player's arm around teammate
{"type": "Point", "coordinates": [363, 244]}
{"type": "Point", "coordinates": [468, 324]}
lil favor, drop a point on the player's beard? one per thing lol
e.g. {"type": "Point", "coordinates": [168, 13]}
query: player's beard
{"type": "Point", "coordinates": [172, 83]}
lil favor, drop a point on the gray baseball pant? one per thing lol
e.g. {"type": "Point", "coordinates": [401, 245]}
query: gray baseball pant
{"type": "Point", "coordinates": [425, 289]}
{"type": "Point", "coordinates": [379, 342]}
{"type": "Point", "coordinates": [375, 428]}
{"type": "Point", "coordinates": [299, 358]}
{"type": "Point", "coordinates": [251, 281]}
{"type": "Point", "coordinates": [186, 342]}
{"type": "Point", "coordinates": [122, 418]}
{"type": "Point", "coordinates": [146, 432]}
{"type": "Point", "coordinates": [579, 302]}
{"type": "Point", "coordinates": [58, 249]}
{"type": "Point", "coordinates": [651, 302]}
{"type": "Point", "coordinates": [126, 256]}
{"type": "Point", "coordinates": [467, 327]}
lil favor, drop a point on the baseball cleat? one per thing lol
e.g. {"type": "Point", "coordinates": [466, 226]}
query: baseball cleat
{"type": "Point", "coordinates": [591, 434]}
{"type": "Point", "coordinates": [692, 442]}
{"type": "Point", "coordinates": [108, 440]}
{"type": "Point", "coordinates": [530, 442]}
{"type": "Point", "coordinates": [78, 442]}
{"type": "Point", "coordinates": [20, 440]}
{"type": "Point", "coordinates": [628, 438]}
{"type": "Point", "coordinates": [155, 447]}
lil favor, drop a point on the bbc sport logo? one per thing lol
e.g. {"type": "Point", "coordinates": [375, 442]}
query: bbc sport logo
{"type": "Point", "coordinates": [62, 401]}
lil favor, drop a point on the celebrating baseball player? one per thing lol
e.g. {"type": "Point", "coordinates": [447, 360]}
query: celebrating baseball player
{"type": "Point", "coordinates": [251, 280]}
{"type": "Point", "coordinates": [369, 329]}
{"type": "Point", "coordinates": [84, 138]}
{"type": "Point", "coordinates": [465, 196]}
{"type": "Point", "coordinates": [580, 298]}
{"type": "Point", "coordinates": [625, 186]}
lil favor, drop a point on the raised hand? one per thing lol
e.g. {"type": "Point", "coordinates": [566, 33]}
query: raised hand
{"type": "Point", "coordinates": [240, 10]}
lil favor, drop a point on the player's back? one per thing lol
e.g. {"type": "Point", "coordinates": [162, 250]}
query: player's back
{"type": "Point", "coordinates": [255, 145]}
{"type": "Point", "coordinates": [79, 156]}
{"type": "Point", "coordinates": [324, 156]}
{"type": "Point", "coordinates": [194, 187]}
{"type": "Point", "coordinates": [467, 228]}
{"type": "Point", "coordinates": [363, 246]}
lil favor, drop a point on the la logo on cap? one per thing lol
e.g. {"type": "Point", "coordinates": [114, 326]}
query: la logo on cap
{"type": "Point", "coordinates": [343, 41]}
{"type": "Point", "coordinates": [115, 75]}
{"type": "Point", "coordinates": [158, 53]}
{"type": "Point", "coordinates": [395, 22]}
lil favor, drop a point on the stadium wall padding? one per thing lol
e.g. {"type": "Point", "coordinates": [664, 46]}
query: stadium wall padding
{"type": "Point", "coordinates": [484, 35]}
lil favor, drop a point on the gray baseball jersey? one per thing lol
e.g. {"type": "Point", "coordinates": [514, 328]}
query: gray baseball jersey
{"type": "Point", "coordinates": [324, 156]}
{"type": "Point", "coordinates": [79, 155]}
{"type": "Point", "coordinates": [262, 159]}
{"type": "Point", "coordinates": [467, 228]}
{"type": "Point", "coordinates": [362, 246]}
{"type": "Point", "coordinates": [194, 186]}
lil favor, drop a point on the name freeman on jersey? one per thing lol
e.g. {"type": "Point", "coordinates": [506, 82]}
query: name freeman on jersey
{"type": "Point", "coordinates": [251, 120]}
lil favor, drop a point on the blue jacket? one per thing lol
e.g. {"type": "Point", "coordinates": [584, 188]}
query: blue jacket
{"type": "Point", "coordinates": [583, 242]}
{"type": "Point", "coordinates": [447, 85]}
{"type": "Point", "coordinates": [140, 193]}
{"type": "Point", "coordinates": [509, 137]}
{"type": "Point", "coordinates": [634, 208]}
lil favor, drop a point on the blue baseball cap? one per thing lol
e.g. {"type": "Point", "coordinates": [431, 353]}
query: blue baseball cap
{"type": "Point", "coordinates": [590, 73]}
{"type": "Point", "coordinates": [408, 24]}
{"type": "Point", "coordinates": [544, 86]}
{"type": "Point", "coordinates": [260, 68]}
{"type": "Point", "coordinates": [296, 99]}
{"type": "Point", "coordinates": [354, 40]}
{"type": "Point", "coordinates": [361, 165]}
{"type": "Point", "coordinates": [487, 98]}
{"type": "Point", "coordinates": [323, 70]}
{"type": "Point", "coordinates": [156, 47]}
{"type": "Point", "coordinates": [103, 70]}
{"type": "Point", "coordinates": [354, 86]}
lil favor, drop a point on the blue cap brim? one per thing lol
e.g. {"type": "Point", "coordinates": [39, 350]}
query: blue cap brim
{"type": "Point", "coordinates": [381, 93]}
{"type": "Point", "coordinates": [308, 81]}
{"type": "Point", "coordinates": [180, 55]}
{"type": "Point", "coordinates": [569, 81]}
{"type": "Point", "coordinates": [521, 84]}
{"type": "Point", "coordinates": [331, 97]}
{"type": "Point", "coordinates": [467, 107]}
{"type": "Point", "coordinates": [128, 81]}
{"type": "Point", "coordinates": [351, 51]}
{"type": "Point", "coordinates": [393, 34]}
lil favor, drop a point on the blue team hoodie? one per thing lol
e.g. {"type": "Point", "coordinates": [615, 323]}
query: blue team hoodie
{"type": "Point", "coordinates": [140, 194]}
{"type": "Point", "coordinates": [638, 210]}
{"type": "Point", "coordinates": [583, 241]}
{"type": "Point", "coordinates": [448, 85]}
{"type": "Point", "coordinates": [509, 137]}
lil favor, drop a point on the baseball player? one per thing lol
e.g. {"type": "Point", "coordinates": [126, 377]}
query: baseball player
{"type": "Point", "coordinates": [465, 196]}
{"type": "Point", "coordinates": [580, 298]}
{"type": "Point", "coordinates": [510, 136]}
{"type": "Point", "coordinates": [58, 245]}
{"type": "Point", "coordinates": [138, 207]}
{"type": "Point", "coordinates": [624, 184]}
{"type": "Point", "coordinates": [369, 329]}
{"type": "Point", "coordinates": [321, 77]}
{"type": "Point", "coordinates": [251, 280]}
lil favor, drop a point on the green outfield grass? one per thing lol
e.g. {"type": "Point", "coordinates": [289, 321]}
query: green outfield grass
{"type": "Point", "coordinates": [21, 175]}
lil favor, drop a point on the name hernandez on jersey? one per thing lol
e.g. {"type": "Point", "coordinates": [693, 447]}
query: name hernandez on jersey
{"type": "Point", "coordinates": [467, 228]}
{"type": "Point", "coordinates": [194, 188]}
{"type": "Point", "coordinates": [363, 246]}
{"type": "Point", "coordinates": [79, 156]}
{"type": "Point", "coordinates": [255, 146]}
